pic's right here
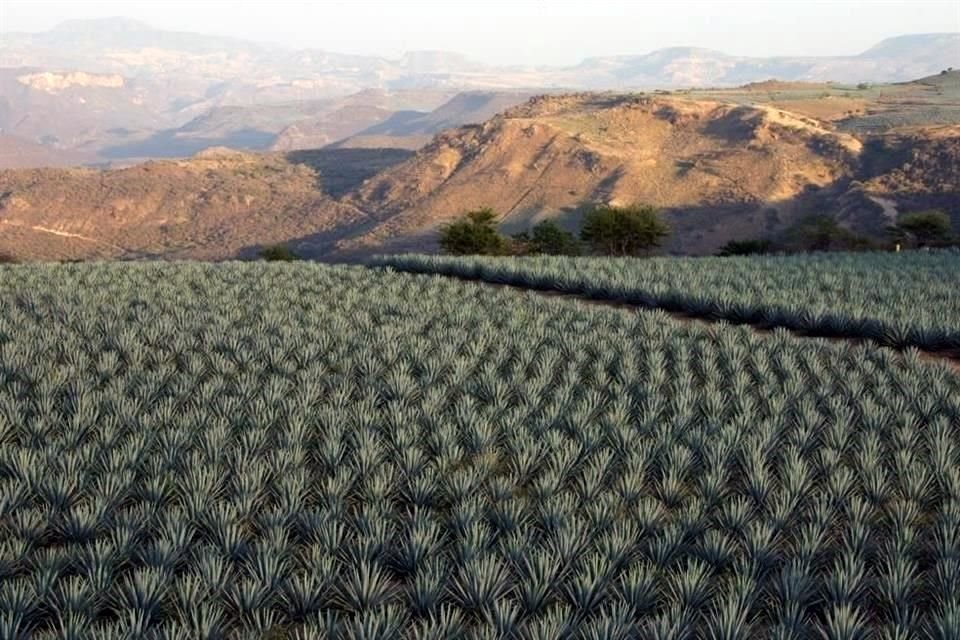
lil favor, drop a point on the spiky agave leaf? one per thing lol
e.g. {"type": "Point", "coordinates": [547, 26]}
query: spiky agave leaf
{"type": "Point", "coordinates": [305, 593]}
{"type": "Point", "coordinates": [844, 622]}
{"type": "Point", "coordinates": [538, 575]}
{"type": "Point", "coordinates": [587, 588]}
{"type": "Point", "coordinates": [557, 623]}
{"type": "Point", "coordinates": [364, 587]}
{"type": "Point", "coordinates": [676, 623]}
{"type": "Point", "coordinates": [480, 583]}
{"type": "Point", "coordinates": [13, 625]}
{"type": "Point", "coordinates": [729, 618]}
{"type": "Point", "coordinates": [380, 624]}
{"type": "Point", "coordinates": [446, 624]}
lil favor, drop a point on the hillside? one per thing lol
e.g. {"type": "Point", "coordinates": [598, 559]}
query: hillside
{"type": "Point", "coordinates": [718, 167]}
{"type": "Point", "coordinates": [307, 124]}
{"type": "Point", "coordinates": [722, 164]}
{"type": "Point", "coordinates": [18, 153]}
{"type": "Point", "coordinates": [217, 205]}
{"type": "Point", "coordinates": [412, 130]}
{"type": "Point", "coordinates": [368, 119]}
{"type": "Point", "coordinates": [77, 111]}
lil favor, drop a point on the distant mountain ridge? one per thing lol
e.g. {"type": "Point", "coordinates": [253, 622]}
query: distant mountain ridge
{"type": "Point", "coordinates": [95, 45]}
{"type": "Point", "coordinates": [127, 32]}
{"type": "Point", "coordinates": [119, 90]}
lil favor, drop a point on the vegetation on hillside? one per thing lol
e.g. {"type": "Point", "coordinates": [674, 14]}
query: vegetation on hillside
{"type": "Point", "coordinates": [278, 253]}
{"type": "Point", "coordinates": [920, 229]}
{"type": "Point", "coordinates": [255, 450]}
{"type": "Point", "coordinates": [924, 229]}
{"type": "Point", "coordinates": [547, 238]}
{"type": "Point", "coordinates": [823, 232]}
{"type": "Point", "coordinates": [606, 230]}
{"type": "Point", "coordinates": [745, 248]}
{"type": "Point", "coordinates": [474, 234]}
{"type": "Point", "coordinates": [623, 231]}
{"type": "Point", "coordinates": [637, 230]}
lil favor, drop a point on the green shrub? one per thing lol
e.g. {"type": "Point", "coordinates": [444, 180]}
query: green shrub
{"type": "Point", "coordinates": [278, 253]}
{"type": "Point", "coordinates": [817, 232]}
{"type": "Point", "coordinates": [822, 232]}
{"type": "Point", "coordinates": [623, 231]}
{"type": "Point", "coordinates": [6, 258]}
{"type": "Point", "coordinates": [474, 234]}
{"type": "Point", "coordinates": [549, 238]}
{"type": "Point", "coordinates": [745, 248]}
{"type": "Point", "coordinates": [929, 228]}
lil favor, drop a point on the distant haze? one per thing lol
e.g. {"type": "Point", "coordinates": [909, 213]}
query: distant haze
{"type": "Point", "coordinates": [522, 32]}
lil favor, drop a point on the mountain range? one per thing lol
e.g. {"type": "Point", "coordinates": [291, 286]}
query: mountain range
{"type": "Point", "coordinates": [254, 71]}
{"type": "Point", "coordinates": [722, 164]}
{"type": "Point", "coordinates": [210, 147]}
{"type": "Point", "coordinates": [118, 91]}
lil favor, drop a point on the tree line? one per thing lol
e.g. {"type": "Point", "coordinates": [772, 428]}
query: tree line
{"type": "Point", "coordinates": [928, 229]}
{"type": "Point", "coordinates": [606, 230]}
{"type": "Point", "coordinates": [639, 229]}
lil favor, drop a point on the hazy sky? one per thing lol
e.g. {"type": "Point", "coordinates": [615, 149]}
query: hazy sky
{"type": "Point", "coordinates": [522, 31]}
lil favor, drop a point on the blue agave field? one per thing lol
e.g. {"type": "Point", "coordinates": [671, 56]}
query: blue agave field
{"type": "Point", "coordinates": [902, 299]}
{"type": "Point", "coordinates": [304, 451]}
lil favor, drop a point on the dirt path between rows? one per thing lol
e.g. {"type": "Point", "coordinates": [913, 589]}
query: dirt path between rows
{"type": "Point", "coordinates": [949, 358]}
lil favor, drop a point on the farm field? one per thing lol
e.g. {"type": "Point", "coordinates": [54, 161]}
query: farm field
{"type": "Point", "coordinates": [248, 450]}
{"type": "Point", "coordinates": [896, 299]}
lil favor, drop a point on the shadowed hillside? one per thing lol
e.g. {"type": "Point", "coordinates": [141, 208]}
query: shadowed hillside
{"type": "Point", "coordinates": [207, 207]}
{"type": "Point", "coordinates": [557, 154]}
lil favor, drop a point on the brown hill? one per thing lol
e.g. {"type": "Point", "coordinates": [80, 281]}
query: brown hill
{"type": "Point", "coordinates": [719, 169]}
{"type": "Point", "coordinates": [412, 130]}
{"type": "Point", "coordinates": [328, 128]}
{"type": "Point", "coordinates": [19, 153]}
{"type": "Point", "coordinates": [304, 124]}
{"type": "Point", "coordinates": [219, 204]}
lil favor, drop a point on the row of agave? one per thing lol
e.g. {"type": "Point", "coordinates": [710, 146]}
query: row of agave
{"type": "Point", "coordinates": [273, 450]}
{"type": "Point", "coordinates": [896, 299]}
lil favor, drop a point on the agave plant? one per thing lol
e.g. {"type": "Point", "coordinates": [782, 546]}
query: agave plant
{"type": "Point", "coordinates": [365, 587]}
{"type": "Point", "coordinates": [343, 452]}
{"type": "Point", "coordinates": [446, 624]}
{"type": "Point", "coordinates": [874, 296]}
